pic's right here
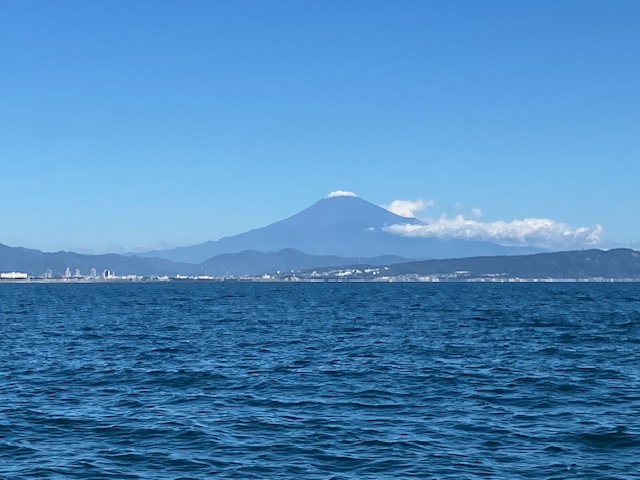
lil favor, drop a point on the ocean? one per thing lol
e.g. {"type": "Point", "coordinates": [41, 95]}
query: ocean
{"type": "Point", "coordinates": [319, 381]}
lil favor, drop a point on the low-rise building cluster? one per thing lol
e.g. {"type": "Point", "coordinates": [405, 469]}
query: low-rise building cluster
{"type": "Point", "coordinates": [337, 274]}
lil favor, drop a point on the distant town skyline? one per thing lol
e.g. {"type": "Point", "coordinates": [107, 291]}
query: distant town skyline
{"type": "Point", "coordinates": [147, 125]}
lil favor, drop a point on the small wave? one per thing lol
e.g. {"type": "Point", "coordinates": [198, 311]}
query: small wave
{"type": "Point", "coordinates": [616, 438]}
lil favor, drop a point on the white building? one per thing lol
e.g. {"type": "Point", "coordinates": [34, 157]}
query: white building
{"type": "Point", "coordinates": [13, 275]}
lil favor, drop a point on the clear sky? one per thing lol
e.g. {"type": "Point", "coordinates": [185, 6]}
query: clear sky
{"type": "Point", "coordinates": [143, 124]}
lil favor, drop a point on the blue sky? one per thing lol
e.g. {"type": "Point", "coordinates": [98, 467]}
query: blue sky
{"type": "Point", "coordinates": [131, 125]}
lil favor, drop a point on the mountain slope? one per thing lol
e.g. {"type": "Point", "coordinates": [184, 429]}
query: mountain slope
{"type": "Point", "coordinates": [347, 226]}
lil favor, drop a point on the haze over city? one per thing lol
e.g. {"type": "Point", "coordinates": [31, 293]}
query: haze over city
{"type": "Point", "coordinates": [131, 126]}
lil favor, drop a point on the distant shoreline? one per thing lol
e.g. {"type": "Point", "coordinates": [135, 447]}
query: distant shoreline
{"type": "Point", "coordinates": [323, 280]}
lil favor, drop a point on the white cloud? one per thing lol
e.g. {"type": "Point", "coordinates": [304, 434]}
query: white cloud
{"type": "Point", "coordinates": [341, 193]}
{"type": "Point", "coordinates": [476, 212]}
{"type": "Point", "coordinates": [536, 232]}
{"type": "Point", "coordinates": [407, 208]}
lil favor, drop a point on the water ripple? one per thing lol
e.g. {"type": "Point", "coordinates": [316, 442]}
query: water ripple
{"type": "Point", "coordinates": [348, 381]}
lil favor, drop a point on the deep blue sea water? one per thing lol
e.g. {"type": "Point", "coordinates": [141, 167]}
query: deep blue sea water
{"type": "Point", "coordinates": [319, 381]}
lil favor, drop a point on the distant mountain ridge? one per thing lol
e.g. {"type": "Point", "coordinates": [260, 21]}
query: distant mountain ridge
{"type": "Point", "coordinates": [36, 262]}
{"type": "Point", "coordinates": [346, 226]}
{"type": "Point", "coordinates": [615, 263]}
{"type": "Point", "coordinates": [249, 262]}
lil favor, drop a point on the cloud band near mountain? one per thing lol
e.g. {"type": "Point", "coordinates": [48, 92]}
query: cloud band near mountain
{"type": "Point", "coordinates": [408, 208]}
{"type": "Point", "coordinates": [537, 232]}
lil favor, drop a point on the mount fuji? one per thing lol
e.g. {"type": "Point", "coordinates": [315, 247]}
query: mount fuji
{"type": "Point", "coordinates": [339, 224]}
